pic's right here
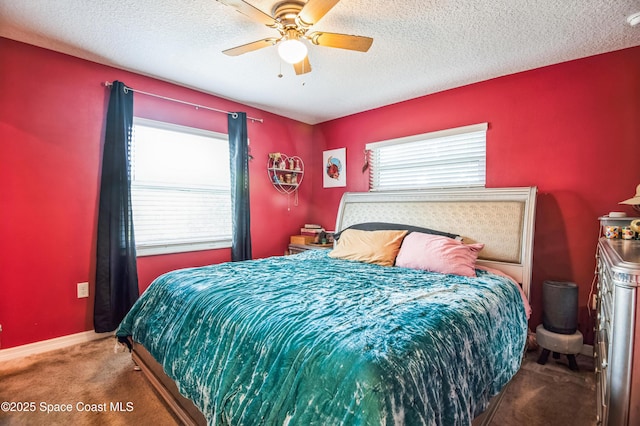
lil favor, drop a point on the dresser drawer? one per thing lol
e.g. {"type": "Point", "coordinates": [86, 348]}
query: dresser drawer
{"type": "Point", "coordinates": [601, 407]}
{"type": "Point", "coordinates": [601, 361]}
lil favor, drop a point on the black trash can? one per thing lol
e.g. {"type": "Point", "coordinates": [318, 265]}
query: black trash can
{"type": "Point", "coordinates": [560, 306]}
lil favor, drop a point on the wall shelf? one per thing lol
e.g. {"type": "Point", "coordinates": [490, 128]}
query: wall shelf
{"type": "Point", "coordinates": [285, 173]}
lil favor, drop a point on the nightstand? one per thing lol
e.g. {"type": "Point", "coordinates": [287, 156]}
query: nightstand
{"type": "Point", "coordinates": [299, 248]}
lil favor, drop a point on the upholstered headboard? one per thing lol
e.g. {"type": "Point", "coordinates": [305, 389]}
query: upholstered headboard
{"type": "Point", "coordinates": [501, 218]}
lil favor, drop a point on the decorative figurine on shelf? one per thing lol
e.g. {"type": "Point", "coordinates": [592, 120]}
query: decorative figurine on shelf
{"type": "Point", "coordinates": [290, 163]}
{"type": "Point", "coordinates": [297, 165]}
{"type": "Point", "coordinates": [274, 160]}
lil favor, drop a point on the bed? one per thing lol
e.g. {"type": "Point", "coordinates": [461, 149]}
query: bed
{"type": "Point", "coordinates": [317, 338]}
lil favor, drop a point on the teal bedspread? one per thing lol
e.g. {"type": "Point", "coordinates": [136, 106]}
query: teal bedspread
{"type": "Point", "coordinates": [311, 340]}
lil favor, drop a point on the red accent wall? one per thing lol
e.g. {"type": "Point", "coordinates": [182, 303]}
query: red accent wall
{"type": "Point", "coordinates": [570, 129]}
{"type": "Point", "coordinates": [52, 113]}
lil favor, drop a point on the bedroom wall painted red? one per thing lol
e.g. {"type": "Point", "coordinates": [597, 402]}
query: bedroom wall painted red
{"type": "Point", "coordinates": [567, 128]}
{"type": "Point", "coordinates": [52, 110]}
{"type": "Point", "coordinates": [570, 129]}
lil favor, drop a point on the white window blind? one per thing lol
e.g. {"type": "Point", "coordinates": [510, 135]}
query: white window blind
{"type": "Point", "coordinates": [443, 159]}
{"type": "Point", "coordinates": [180, 188]}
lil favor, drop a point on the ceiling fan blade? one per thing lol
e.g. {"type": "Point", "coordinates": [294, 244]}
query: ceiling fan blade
{"type": "Point", "coordinates": [313, 11]}
{"type": "Point", "coordinates": [302, 67]}
{"type": "Point", "coordinates": [341, 41]}
{"type": "Point", "coordinates": [252, 12]}
{"type": "Point", "coordinates": [250, 47]}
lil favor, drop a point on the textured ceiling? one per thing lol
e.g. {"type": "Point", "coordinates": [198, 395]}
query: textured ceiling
{"type": "Point", "coordinates": [420, 46]}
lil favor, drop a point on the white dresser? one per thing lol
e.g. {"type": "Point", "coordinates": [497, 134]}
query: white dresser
{"type": "Point", "coordinates": [617, 340]}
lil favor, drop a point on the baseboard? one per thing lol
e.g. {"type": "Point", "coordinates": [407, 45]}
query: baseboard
{"type": "Point", "coordinates": [50, 345]}
{"type": "Point", "coordinates": [587, 350]}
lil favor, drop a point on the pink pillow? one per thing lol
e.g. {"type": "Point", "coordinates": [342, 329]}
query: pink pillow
{"type": "Point", "coordinates": [438, 254]}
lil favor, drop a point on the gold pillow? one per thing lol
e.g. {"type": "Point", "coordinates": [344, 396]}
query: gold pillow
{"type": "Point", "coordinates": [379, 247]}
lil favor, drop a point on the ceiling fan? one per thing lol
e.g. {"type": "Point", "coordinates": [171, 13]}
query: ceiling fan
{"type": "Point", "coordinates": [293, 19]}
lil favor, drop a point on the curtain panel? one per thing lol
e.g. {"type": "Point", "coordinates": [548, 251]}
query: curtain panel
{"type": "Point", "coordinates": [239, 159]}
{"type": "Point", "coordinates": [116, 271]}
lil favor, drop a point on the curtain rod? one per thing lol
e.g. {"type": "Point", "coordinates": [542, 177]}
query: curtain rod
{"type": "Point", "coordinates": [235, 115]}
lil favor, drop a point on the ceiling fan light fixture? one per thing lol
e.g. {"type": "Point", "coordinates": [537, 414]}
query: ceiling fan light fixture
{"type": "Point", "coordinates": [292, 19]}
{"type": "Point", "coordinates": [292, 50]}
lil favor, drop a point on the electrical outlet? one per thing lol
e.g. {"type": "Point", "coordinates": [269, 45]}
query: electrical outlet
{"type": "Point", "coordinates": [83, 290]}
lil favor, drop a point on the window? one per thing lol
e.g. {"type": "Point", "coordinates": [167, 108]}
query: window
{"type": "Point", "coordinates": [180, 188]}
{"type": "Point", "coordinates": [443, 159]}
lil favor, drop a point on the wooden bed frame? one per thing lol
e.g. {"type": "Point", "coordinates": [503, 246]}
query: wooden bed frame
{"type": "Point", "coordinates": [501, 218]}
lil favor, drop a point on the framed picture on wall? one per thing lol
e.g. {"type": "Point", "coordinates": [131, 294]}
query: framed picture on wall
{"type": "Point", "coordinates": [334, 170]}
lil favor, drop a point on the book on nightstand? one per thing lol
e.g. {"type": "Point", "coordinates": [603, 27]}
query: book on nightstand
{"type": "Point", "coordinates": [311, 229]}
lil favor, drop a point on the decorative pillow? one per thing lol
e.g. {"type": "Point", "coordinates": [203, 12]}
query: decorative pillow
{"type": "Point", "coordinates": [384, 226]}
{"type": "Point", "coordinates": [379, 247]}
{"type": "Point", "coordinates": [438, 254]}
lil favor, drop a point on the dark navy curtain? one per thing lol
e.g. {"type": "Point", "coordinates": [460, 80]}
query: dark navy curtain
{"type": "Point", "coordinates": [116, 271]}
{"type": "Point", "coordinates": [239, 162]}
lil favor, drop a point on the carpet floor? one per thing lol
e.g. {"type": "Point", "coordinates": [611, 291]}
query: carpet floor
{"type": "Point", "coordinates": [89, 384]}
{"type": "Point", "coordinates": [550, 394]}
